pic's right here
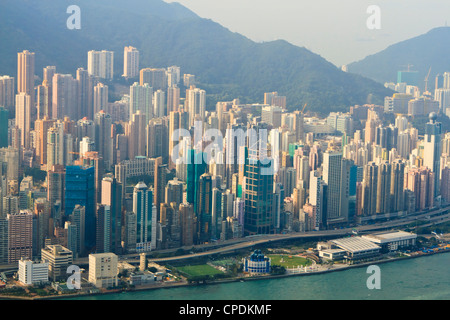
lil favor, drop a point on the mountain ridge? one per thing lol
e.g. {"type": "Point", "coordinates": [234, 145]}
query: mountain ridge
{"type": "Point", "coordinates": [422, 52]}
{"type": "Point", "coordinates": [227, 64]}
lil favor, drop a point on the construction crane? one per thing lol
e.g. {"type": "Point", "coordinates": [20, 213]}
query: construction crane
{"type": "Point", "coordinates": [408, 66]}
{"type": "Point", "coordinates": [426, 80]}
{"type": "Point", "coordinates": [304, 107]}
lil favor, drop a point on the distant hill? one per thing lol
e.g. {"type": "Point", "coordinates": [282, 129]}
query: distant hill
{"type": "Point", "coordinates": [228, 65]}
{"type": "Point", "coordinates": [428, 50]}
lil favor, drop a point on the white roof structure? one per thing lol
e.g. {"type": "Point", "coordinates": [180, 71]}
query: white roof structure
{"type": "Point", "coordinates": [390, 236]}
{"type": "Point", "coordinates": [356, 244]}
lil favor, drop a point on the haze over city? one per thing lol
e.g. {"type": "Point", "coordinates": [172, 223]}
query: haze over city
{"type": "Point", "coordinates": [147, 144]}
{"type": "Point", "coordinates": [336, 30]}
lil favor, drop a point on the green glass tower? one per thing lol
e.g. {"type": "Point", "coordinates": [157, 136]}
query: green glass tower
{"type": "Point", "coordinates": [3, 127]}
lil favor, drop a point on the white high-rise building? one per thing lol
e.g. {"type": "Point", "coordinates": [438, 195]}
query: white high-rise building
{"type": "Point", "coordinates": [100, 97]}
{"type": "Point", "coordinates": [196, 99]}
{"type": "Point", "coordinates": [159, 103]}
{"type": "Point", "coordinates": [23, 117]}
{"type": "Point", "coordinates": [55, 147]}
{"type": "Point", "coordinates": [443, 97]}
{"type": "Point", "coordinates": [433, 148]}
{"type": "Point", "coordinates": [173, 75]}
{"type": "Point", "coordinates": [141, 99]}
{"type": "Point", "coordinates": [130, 62]}
{"type": "Point", "coordinates": [101, 64]}
{"type": "Point", "coordinates": [86, 145]}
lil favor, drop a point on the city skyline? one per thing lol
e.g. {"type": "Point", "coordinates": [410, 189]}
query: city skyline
{"type": "Point", "coordinates": [120, 175]}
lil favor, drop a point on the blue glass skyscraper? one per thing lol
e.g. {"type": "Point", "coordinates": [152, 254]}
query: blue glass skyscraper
{"type": "Point", "coordinates": [80, 189]}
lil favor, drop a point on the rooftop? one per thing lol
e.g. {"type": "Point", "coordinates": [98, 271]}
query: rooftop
{"type": "Point", "coordinates": [355, 244]}
{"type": "Point", "coordinates": [388, 236]}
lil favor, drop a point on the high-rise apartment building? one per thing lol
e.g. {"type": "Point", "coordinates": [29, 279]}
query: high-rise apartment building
{"type": "Point", "coordinates": [156, 78]}
{"type": "Point", "coordinates": [100, 97]}
{"type": "Point", "coordinates": [25, 74]}
{"type": "Point", "coordinates": [7, 92]}
{"type": "Point", "coordinates": [23, 117]}
{"type": "Point", "coordinates": [101, 64]}
{"type": "Point", "coordinates": [130, 62]}
{"type": "Point", "coordinates": [196, 100]}
{"type": "Point", "coordinates": [20, 240]}
{"type": "Point", "coordinates": [141, 99]}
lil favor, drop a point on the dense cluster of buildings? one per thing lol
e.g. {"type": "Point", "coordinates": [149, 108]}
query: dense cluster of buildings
{"type": "Point", "coordinates": [160, 169]}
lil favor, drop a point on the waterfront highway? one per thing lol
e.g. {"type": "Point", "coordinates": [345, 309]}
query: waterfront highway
{"type": "Point", "coordinates": [432, 217]}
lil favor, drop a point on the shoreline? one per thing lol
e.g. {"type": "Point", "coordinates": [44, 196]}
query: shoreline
{"type": "Point", "coordinates": [223, 281]}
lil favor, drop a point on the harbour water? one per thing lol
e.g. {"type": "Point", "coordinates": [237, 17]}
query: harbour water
{"type": "Point", "coordinates": [424, 278]}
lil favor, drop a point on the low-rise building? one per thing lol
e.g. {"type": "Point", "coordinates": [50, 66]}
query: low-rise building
{"type": "Point", "coordinates": [356, 248]}
{"type": "Point", "coordinates": [31, 273]}
{"type": "Point", "coordinates": [392, 241]}
{"type": "Point", "coordinates": [332, 254]}
{"type": "Point", "coordinates": [103, 270]}
{"type": "Point", "coordinates": [59, 259]}
{"type": "Point", "coordinates": [142, 278]}
{"type": "Point", "coordinates": [257, 263]}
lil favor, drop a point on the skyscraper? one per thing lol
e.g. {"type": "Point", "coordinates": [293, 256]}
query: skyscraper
{"type": "Point", "coordinates": [177, 121]}
{"type": "Point", "coordinates": [173, 98]}
{"type": "Point", "coordinates": [369, 190]}
{"type": "Point", "coordinates": [104, 141]}
{"type": "Point", "coordinates": [25, 74]}
{"type": "Point", "coordinates": [103, 227]}
{"type": "Point", "coordinates": [101, 64]}
{"type": "Point", "coordinates": [160, 183]}
{"type": "Point", "coordinates": [196, 100]}
{"type": "Point", "coordinates": [65, 96]}
{"type": "Point", "coordinates": [141, 99]}
{"type": "Point", "coordinates": [78, 219]}
{"type": "Point", "coordinates": [384, 188]}
{"type": "Point", "coordinates": [7, 92]}
{"type": "Point", "coordinates": [3, 127]}
{"type": "Point", "coordinates": [397, 186]}
{"type": "Point", "coordinates": [100, 97]}
{"type": "Point", "coordinates": [204, 209]}
{"type": "Point", "coordinates": [20, 243]}
{"type": "Point", "coordinates": [259, 213]}
{"type": "Point", "coordinates": [112, 197]}
{"type": "Point", "coordinates": [159, 104]}
{"type": "Point", "coordinates": [135, 131]}
{"type": "Point", "coordinates": [41, 126]}
{"type": "Point", "coordinates": [86, 84]}
{"type": "Point", "coordinates": [336, 174]}
{"type": "Point", "coordinates": [433, 149]}
{"type": "Point", "coordinates": [156, 78]}
{"type": "Point", "coordinates": [187, 224]}
{"type": "Point", "coordinates": [44, 100]}
{"type": "Point", "coordinates": [79, 190]}
{"type": "Point", "coordinates": [130, 62]}
{"type": "Point", "coordinates": [146, 215]}
{"type": "Point", "coordinates": [23, 117]}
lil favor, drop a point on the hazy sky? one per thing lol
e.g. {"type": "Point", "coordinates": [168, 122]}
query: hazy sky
{"type": "Point", "coordinates": [335, 29]}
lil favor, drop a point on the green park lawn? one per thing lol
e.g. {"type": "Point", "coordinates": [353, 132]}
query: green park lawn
{"type": "Point", "coordinates": [199, 270]}
{"type": "Point", "coordinates": [288, 261]}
